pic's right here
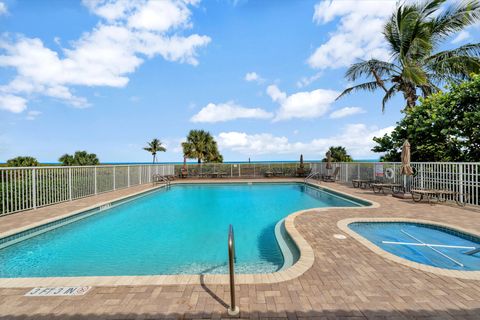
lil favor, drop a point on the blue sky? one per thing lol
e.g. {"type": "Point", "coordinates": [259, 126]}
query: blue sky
{"type": "Point", "coordinates": [261, 76]}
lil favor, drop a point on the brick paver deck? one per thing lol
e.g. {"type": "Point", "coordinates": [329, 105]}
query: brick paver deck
{"type": "Point", "coordinates": [347, 280]}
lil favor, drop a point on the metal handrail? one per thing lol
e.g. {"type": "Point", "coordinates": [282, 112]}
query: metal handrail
{"type": "Point", "coordinates": [311, 175]}
{"type": "Point", "coordinates": [233, 309]}
{"type": "Point", "coordinates": [164, 179]}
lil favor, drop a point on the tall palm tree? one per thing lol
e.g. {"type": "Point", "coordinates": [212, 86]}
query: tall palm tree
{"type": "Point", "coordinates": [414, 33]}
{"type": "Point", "coordinates": [153, 147]}
{"type": "Point", "coordinates": [200, 145]}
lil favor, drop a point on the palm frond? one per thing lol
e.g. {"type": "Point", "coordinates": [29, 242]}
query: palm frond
{"type": "Point", "coordinates": [364, 69]}
{"type": "Point", "coordinates": [429, 7]}
{"type": "Point", "coordinates": [414, 74]}
{"type": "Point", "coordinates": [457, 63]}
{"type": "Point", "coordinates": [368, 86]}
{"type": "Point", "coordinates": [388, 95]}
{"type": "Point", "coordinates": [455, 18]}
{"type": "Point", "coordinates": [456, 68]}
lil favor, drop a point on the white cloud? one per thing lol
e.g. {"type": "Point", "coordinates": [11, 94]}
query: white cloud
{"type": "Point", "coordinates": [12, 103]}
{"type": "Point", "coordinates": [106, 55]}
{"type": "Point", "coordinates": [357, 138]}
{"type": "Point", "coordinates": [228, 111]}
{"type": "Point", "coordinates": [3, 8]}
{"type": "Point", "coordinates": [160, 16]}
{"type": "Point", "coordinates": [345, 112]}
{"type": "Point", "coordinates": [305, 81]}
{"type": "Point", "coordinates": [358, 34]}
{"type": "Point", "coordinates": [461, 36]}
{"type": "Point", "coordinates": [308, 104]}
{"type": "Point", "coordinates": [253, 76]}
{"type": "Point", "coordinates": [32, 115]}
{"type": "Point", "coordinates": [274, 92]}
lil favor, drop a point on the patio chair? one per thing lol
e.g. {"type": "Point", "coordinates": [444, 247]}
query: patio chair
{"type": "Point", "coordinates": [331, 177]}
{"type": "Point", "coordinates": [183, 173]}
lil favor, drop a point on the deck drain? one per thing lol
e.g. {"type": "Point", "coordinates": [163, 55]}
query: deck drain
{"type": "Point", "coordinates": [339, 236]}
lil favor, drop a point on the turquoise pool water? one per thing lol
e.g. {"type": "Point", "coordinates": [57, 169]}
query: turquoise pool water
{"type": "Point", "coordinates": [178, 230]}
{"type": "Point", "coordinates": [449, 246]}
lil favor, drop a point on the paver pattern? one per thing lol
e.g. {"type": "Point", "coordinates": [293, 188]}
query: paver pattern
{"type": "Point", "coordinates": [347, 280]}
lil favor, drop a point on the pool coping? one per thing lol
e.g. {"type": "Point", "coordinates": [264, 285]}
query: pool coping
{"type": "Point", "coordinates": [305, 262]}
{"type": "Point", "coordinates": [470, 275]}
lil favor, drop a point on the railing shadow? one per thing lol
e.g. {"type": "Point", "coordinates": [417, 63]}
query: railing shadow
{"type": "Point", "coordinates": [207, 289]}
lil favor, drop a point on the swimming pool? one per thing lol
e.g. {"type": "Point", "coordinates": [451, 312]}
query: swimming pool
{"type": "Point", "coordinates": [179, 230]}
{"type": "Point", "coordinates": [424, 243]}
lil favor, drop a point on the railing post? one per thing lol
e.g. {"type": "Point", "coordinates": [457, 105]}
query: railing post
{"type": "Point", "coordinates": [114, 181]}
{"type": "Point", "coordinates": [34, 188]}
{"type": "Point", "coordinates": [239, 172]}
{"type": "Point", "coordinates": [95, 178]}
{"type": "Point", "coordinates": [70, 183]}
{"type": "Point", "coordinates": [422, 175]}
{"type": "Point", "coordinates": [139, 174]}
{"type": "Point", "coordinates": [460, 182]}
{"type": "Point", "coordinates": [128, 176]}
{"type": "Point", "coordinates": [233, 310]}
{"type": "Point", "coordinates": [346, 172]}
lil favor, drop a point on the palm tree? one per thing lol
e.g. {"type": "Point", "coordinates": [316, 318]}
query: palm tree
{"type": "Point", "coordinates": [153, 147]}
{"type": "Point", "coordinates": [200, 145]}
{"type": "Point", "coordinates": [414, 33]}
{"type": "Point", "coordinates": [338, 154]}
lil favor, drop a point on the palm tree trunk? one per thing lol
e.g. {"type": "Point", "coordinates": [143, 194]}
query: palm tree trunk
{"type": "Point", "coordinates": [410, 96]}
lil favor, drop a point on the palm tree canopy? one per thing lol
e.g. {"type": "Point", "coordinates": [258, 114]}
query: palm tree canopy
{"type": "Point", "coordinates": [202, 146]}
{"type": "Point", "coordinates": [414, 33]}
{"type": "Point", "coordinates": [153, 147]}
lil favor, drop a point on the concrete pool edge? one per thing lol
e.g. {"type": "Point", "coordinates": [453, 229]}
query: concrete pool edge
{"type": "Point", "coordinates": [304, 263]}
{"type": "Point", "coordinates": [470, 275]}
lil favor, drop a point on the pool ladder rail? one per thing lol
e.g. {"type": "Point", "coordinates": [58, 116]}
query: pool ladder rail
{"type": "Point", "coordinates": [311, 176]}
{"type": "Point", "coordinates": [233, 310]}
{"type": "Point", "coordinates": [159, 178]}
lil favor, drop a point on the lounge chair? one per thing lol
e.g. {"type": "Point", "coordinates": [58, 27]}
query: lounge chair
{"type": "Point", "coordinates": [277, 172]}
{"type": "Point", "coordinates": [218, 174]}
{"type": "Point", "coordinates": [393, 187]}
{"type": "Point", "coordinates": [331, 177]}
{"type": "Point", "coordinates": [362, 183]}
{"type": "Point", "coordinates": [438, 195]}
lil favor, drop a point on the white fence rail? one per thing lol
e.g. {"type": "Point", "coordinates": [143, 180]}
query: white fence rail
{"type": "Point", "coordinates": [244, 170]}
{"type": "Point", "coordinates": [463, 178]}
{"type": "Point", "coordinates": [30, 188]}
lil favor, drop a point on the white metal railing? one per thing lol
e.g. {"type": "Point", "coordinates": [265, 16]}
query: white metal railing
{"type": "Point", "coordinates": [245, 170]}
{"type": "Point", "coordinates": [460, 177]}
{"type": "Point", "coordinates": [33, 187]}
